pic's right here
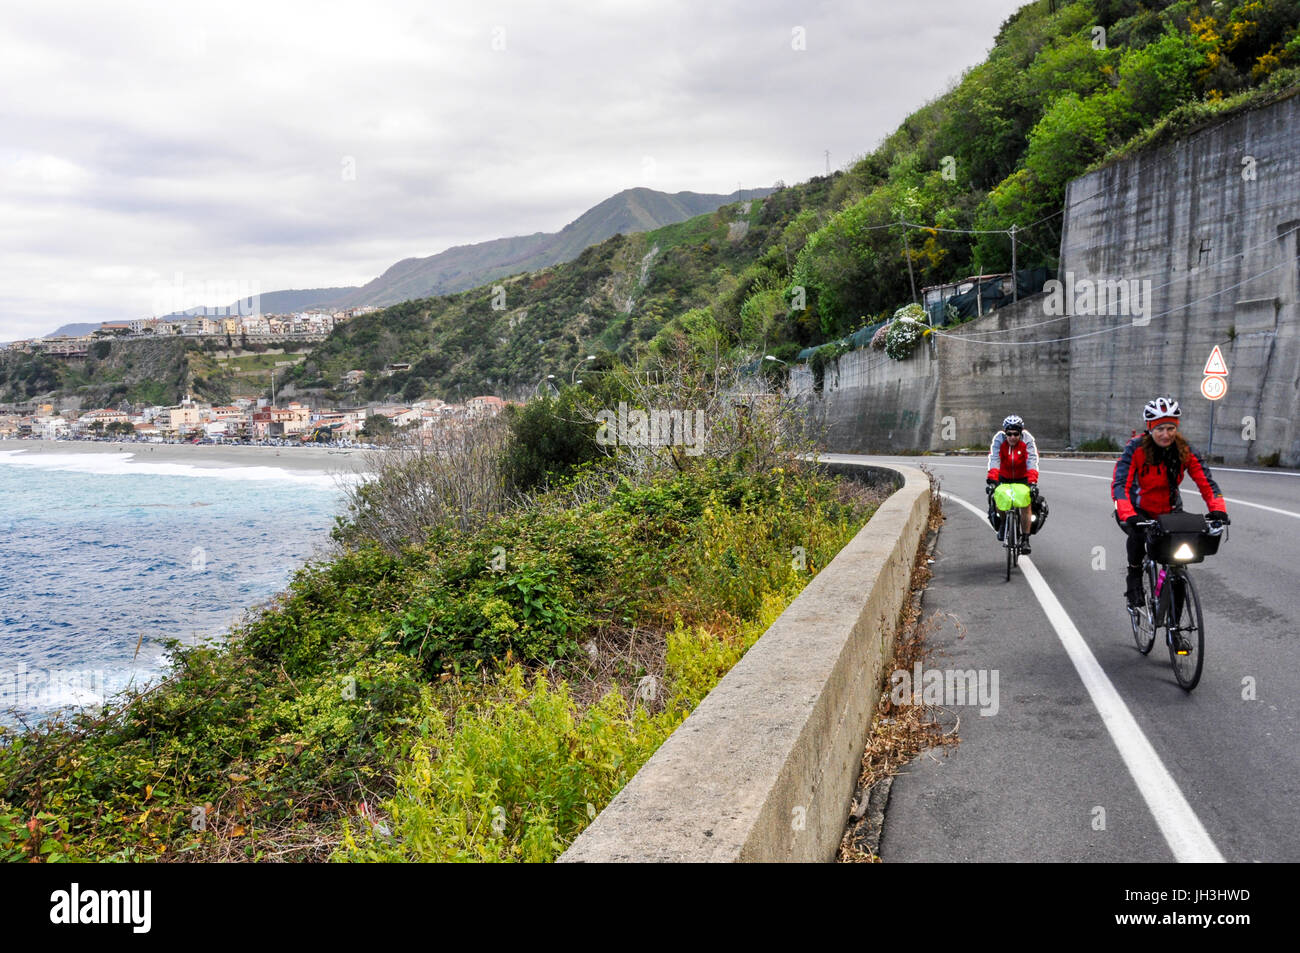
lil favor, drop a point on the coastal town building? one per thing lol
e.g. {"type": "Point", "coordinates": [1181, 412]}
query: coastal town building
{"type": "Point", "coordinates": [274, 422]}
{"type": "Point", "coordinates": [50, 428]}
{"type": "Point", "coordinates": [66, 346]}
{"type": "Point", "coordinates": [485, 406]}
{"type": "Point", "coordinates": [400, 416]}
{"type": "Point", "coordinates": [184, 419]}
{"type": "Point", "coordinates": [102, 417]}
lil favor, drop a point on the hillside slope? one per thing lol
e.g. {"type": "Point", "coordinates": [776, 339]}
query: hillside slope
{"type": "Point", "coordinates": [1065, 86]}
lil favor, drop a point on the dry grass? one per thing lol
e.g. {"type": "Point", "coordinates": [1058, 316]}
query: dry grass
{"type": "Point", "coordinates": [619, 657]}
{"type": "Point", "coordinates": [899, 733]}
{"type": "Point", "coordinates": [452, 477]}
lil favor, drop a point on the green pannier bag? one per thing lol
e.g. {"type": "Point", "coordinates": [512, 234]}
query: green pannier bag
{"type": "Point", "coordinates": [1011, 496]}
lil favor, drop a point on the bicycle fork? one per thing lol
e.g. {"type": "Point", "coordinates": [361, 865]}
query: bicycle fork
{"type": "Point", "coordinates": [1169, 612]}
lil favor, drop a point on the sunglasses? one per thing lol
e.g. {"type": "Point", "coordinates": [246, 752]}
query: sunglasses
{"type": "Point", "coordinates": [1013, 433]}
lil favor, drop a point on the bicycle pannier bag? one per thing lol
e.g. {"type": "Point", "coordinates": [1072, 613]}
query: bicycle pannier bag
{"type": "Point", "coordinates": [1040, 512]}
{"type": "Point", "coordinates": [1009, 495]}
{"type": "Point", "coordinates": [1182, 529]}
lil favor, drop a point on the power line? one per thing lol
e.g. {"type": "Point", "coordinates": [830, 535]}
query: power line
{"type": "Point", "coordinates": [1221, 262]}
{"type": "Point", "coordinates": [1119, 327]}
{"type": "Point", "coordinates": [961, 231]}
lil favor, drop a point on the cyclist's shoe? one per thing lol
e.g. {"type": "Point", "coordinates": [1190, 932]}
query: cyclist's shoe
{"type": "Point", "coordinates": [1025, 548]}
{"type": "Point", "coordinates": [1133, 591]}
{"type": "Point", "coordinates": [1182, 646]}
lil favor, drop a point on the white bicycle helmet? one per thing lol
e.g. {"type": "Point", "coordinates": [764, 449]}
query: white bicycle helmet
{"type": "Point", "coordinates": [1013, 421]}
{"type": "Point", "coordinates": [1159, 407]}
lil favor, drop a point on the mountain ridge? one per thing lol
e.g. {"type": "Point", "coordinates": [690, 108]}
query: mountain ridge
{"type": "Point", "coordinates": [463, 267]}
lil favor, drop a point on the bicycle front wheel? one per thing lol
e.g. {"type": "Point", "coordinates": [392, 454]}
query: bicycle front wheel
{"type": "Point", "coordinates": [1010, 542]}
{"type": "Point", "coordinates": [1186, 630]}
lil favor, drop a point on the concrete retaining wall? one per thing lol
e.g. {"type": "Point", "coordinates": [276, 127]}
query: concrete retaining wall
{"type": "Point", "coordinates": [765, 767]}
{"type": "Point", "coordinates": [1211, 222]}
{"type": "Point", "coordinates": [952, 392]}
{"type": "Point", "coordinates": [984, 375]}
{"type": "Point", "coordinates": [869, 403]}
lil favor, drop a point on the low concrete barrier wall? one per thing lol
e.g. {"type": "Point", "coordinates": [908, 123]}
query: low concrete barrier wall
{"type": "Point", "coordinates": [764, 769]}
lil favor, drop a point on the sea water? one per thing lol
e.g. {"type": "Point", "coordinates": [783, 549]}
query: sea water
{"type": "Point", "coordinates": [104, 558]}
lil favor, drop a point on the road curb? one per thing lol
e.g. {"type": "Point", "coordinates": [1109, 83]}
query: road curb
{"type": "Point", "coordinates": [765, 768]}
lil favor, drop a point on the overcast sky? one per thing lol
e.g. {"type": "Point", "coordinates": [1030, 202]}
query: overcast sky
{"type": "Point", "coordinates": [275, 145]}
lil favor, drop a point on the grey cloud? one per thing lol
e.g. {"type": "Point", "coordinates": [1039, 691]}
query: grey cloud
{"type": "Point", "coordinates": [213, 143]}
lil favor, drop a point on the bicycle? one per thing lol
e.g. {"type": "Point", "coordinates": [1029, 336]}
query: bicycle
{"type": "Point", "coordinates": [1169, 598]}
{"type": "Point", "coordinates": [1012, 499]}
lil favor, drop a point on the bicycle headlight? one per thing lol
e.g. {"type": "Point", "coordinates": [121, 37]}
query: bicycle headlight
{"type": "Point", "coordinates": [1184, 552]}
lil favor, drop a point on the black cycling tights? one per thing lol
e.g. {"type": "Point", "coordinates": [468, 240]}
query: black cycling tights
{"type": "Point", "coordinates": [1137, 543]}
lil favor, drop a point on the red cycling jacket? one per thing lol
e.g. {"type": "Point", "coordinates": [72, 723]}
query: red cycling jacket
{"type": "Point", "coordinates": [1013, 463]}
{"type": "Point", "coordinates": [1147, 484]}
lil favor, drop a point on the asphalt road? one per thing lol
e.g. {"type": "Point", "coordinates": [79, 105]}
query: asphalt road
{"type": "Point", "coordinates": [1094, 753]}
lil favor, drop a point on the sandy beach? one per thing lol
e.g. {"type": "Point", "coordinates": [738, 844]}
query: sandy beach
{"type": "Point", "coordinates": [317, 459]}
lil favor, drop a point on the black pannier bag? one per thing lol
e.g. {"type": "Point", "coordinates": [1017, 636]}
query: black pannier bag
{"type": "Point", "coordinates": [1040, 510]}
{"type": "Point", "coordinates": [1179, 529]}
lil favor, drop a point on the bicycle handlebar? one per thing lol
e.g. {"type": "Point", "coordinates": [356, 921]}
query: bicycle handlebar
{"type": "Point", "coordinates": [1214, 527]}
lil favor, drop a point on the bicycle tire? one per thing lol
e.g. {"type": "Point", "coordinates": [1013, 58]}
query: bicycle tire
{"type": "Point", "coordinates": [1010, 542]}
{"type": "Point", "coordinates": [1184, 617]}
{"type": "Point", "coordinates": [1143, 617]}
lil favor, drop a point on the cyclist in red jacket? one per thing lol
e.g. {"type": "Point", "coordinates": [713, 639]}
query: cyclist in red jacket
{"type": "Point", "coordinates": [1013, 458]}
{"type": "Point", "coordinates": [1146, 478]}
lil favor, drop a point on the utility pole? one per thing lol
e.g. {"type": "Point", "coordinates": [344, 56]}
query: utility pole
{"type": "Point", "coordinates": [828, 161]}
{"type": "Point", "coordinates": [1015, 285]}
{"type": "Point", "coordinates": [907, 250]}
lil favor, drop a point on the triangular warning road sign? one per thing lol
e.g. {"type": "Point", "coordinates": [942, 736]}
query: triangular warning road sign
{"type": "Point", "coordinates": [1215, 364]}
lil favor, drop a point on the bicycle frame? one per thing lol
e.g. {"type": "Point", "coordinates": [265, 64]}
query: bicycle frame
{"type": "Point", "coordinates": [1176, 607]}
{"type": "Point", "coordinates": [1013, 535]}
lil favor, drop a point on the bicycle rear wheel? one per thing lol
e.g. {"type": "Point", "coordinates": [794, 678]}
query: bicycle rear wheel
{"type": "Point", "coordinates": [1143, 616]}
{"type": "Point", "coordinates": [1186, 631]}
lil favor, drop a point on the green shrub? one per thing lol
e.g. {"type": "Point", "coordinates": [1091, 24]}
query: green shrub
{"type": "Point", "coordinates": [549, 438]}
{"type": "Point", "coordinates": [1103, 444]}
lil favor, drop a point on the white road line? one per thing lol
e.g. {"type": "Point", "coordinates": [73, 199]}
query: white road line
{"type": "Point", "coordinates": [1260, 506]}
{"type": "Point", "coordinates": [971, 466]}
{"type": "Point", "coordinates": [1265, 472]}
{"type": "Point", "coordinates": [1182, 829]}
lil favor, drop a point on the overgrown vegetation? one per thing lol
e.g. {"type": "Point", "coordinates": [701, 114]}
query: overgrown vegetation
{"type": "Point", "coordinates": [474, 673]}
